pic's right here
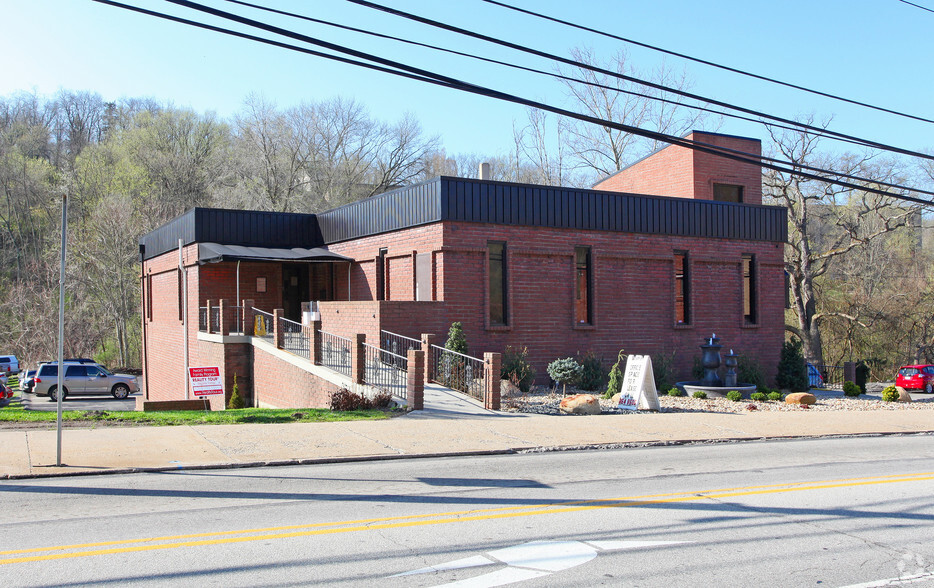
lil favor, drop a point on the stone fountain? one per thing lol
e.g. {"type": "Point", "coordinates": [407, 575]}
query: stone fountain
{"type": "Point", "coordinates": [712, 384]}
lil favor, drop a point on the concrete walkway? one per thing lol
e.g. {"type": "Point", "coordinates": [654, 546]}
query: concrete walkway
{"type": "Point", "coordinates": [433, 432]}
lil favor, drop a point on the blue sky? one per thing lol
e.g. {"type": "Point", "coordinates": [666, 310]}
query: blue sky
{"type": "Point", "coordinates": [876, 51]}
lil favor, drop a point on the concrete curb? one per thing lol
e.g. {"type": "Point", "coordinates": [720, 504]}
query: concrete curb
{"type": "Point", "coordinates": [508, 451]}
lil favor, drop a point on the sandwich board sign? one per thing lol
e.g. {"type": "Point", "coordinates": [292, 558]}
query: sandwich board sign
{"type": "Point", "coordinates": [205, 381]}
{"type": "Point", "coordinates": [638, 390]}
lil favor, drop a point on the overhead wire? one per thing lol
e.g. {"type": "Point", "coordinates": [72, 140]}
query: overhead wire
{"type": "Point", "coordinates": [711, 63]}
{"type": "Point", "coordinates": [852, 141]}
{"type": "Point", "coordinates": [916, 5]}
{"type": "Point", "coordinates": [418, 74]}
{"type": "Point", "coordinates": [626, 77]}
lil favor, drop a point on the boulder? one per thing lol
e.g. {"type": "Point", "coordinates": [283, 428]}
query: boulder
{"type": "Point", "coordinates": [509, 390]}
{"type": "Point", "coordinates": [903, 395]}
{"type": "Point", "coordinates": [580, 404]}
{"type": "Point", "coordinates": [800, 398]}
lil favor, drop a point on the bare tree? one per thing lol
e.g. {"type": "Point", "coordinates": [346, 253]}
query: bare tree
{"type": "Point", "coordinates": [825, 223]}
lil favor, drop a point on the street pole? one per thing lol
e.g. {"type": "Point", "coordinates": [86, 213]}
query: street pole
{"type": "Point", "coordinates": [184, 286]}
{"type": "Point", "coordinates": [61, 334]}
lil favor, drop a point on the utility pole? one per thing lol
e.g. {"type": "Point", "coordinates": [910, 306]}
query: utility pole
{"type": "Point", "coordinates": [61, 334]}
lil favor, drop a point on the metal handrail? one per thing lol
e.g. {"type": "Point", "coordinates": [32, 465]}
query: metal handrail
{"type": "Point", "coordinates": [335, 353]}
{"type": "Point", "coordinates": [294, 339]}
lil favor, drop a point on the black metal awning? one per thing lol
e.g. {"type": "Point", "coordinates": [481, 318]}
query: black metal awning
{"type": "Point", "coordinates": [214, 252]}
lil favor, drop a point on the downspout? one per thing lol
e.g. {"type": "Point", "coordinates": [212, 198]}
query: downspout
{"type": "Point", "coordinates": [181, 269]}
{"type": "Point", "coordinates": [349, 263]}
{"type": "Point", "coordinates": [238, 302]}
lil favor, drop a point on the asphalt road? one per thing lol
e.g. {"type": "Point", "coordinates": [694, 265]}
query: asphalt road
{"type": "Point", "coordinates": [828, 512]}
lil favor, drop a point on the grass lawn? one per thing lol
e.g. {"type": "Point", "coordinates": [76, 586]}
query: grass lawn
{"type": "Point", "coordinates": [15, 413]}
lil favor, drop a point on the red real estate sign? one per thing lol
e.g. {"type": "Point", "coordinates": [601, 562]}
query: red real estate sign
{"type": "Point", "coordinates": [205, 380]}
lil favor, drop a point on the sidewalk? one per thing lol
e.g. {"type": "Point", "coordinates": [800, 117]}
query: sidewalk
{"type": "Point", "coordinates": [28, 453]}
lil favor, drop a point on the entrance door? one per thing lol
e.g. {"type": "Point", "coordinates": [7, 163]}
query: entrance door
{"type": "Point", "coordinates": [294, 290]}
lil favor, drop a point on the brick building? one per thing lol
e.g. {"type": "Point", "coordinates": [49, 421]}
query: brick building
{"type": "Point", "coordinates": [560, 271]}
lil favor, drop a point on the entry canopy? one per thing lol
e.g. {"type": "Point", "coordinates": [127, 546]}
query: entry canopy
{"type": "Point", "coordinates": [214, 252]}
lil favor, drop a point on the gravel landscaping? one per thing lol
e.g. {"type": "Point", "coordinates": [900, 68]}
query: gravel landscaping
{"type": "Point", "coordinates": [541, 400]}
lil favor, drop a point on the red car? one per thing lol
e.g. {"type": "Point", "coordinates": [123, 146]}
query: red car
{"type": "Point", "coordinates": [6, 393]}
{"type": "Point", "coordinates": [916, 377]}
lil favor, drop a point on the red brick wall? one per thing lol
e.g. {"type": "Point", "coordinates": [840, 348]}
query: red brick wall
{"type": "Point", "coordinates": [633, 302]}
{"type": "Point", "coordinates": [685, 173]}
{"type": "Point", "coordinates": [280, 384]}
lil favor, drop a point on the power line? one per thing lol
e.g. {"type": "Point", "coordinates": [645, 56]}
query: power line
{"type": "Point", "coordinates": [579, 64]}
{"type": "Point", "coordinates": [916, 5]}
{"type": "Point", "coordinates": [831, 136]}
{"type": "Point", "coordinates": [438, 79]}
{"type": "Point", "coordinates": [711, 63]}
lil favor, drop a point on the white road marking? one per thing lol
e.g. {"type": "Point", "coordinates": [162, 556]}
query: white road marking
{"type": "Point", "coordinates": [532, 560]}
{"type": "Point", "coordinates": [894, 581]}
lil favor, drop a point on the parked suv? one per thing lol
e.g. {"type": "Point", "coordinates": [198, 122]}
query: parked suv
{"type": "Point", "coordinates": [9, 365]}
{"type": "Point", "coordinates": [82, 379]}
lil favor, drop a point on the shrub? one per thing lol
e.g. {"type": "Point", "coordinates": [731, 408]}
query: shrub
{"type": "Point", "coordinates": [775, 395]}
{"type": "Point", "coordinates": [890, 394]}
{"type": "Point", "coordinates": [851, 389]}
{"type": "Point", "coordinates": [516, 368]}
{"type": "Point", "coordinates": [236, 401]}
{"type": "Point", "coordinates": [748, 371]}
{"type": "Point", "coordinates": [616, 376]}
{"type": "Point", "coordinates": [758, 396]}
{"type": "Point", "coordinates": [697, 369]}
{"type": "Point", "coordinates": [592, 376]}
{"type": "Point", "coordinates": [700, 394]}
{"type": "Point", "coordinates": [457, 341]}
{"type": "Point", "coordinates": [792, 371]}
{"type": "Point", "coordinates": [382, 400]}
{"type": "Point", "coordinates": [344, 400]}
{"type": "Point", "coordinates": [565, 371]}
{"type": "Point", "coordinates": [662, 370]}
{"type": "Point", "coordinates": [734, 395]}
{"type": "Point", "coordinates": [674, 392]}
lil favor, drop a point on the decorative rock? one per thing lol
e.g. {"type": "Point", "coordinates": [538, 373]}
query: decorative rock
{"type": "Point", "coordinates": [800, 398]}
{"type": "Point", "coordinates": [752, 407]}
{"type": "Point", "coordinates": [509, 390]}
{"type": "Point", "coordinates": [903, 395]}
{"type": "Point", "coordinates": [580, 404]}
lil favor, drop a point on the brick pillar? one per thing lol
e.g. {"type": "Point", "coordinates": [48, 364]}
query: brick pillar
{"type": "Point", "coordinates": [276, 328]}
{"type": "Point", "coordinates": [313, 331]}
{"type": "Point", "coordinates": [427, 341]}
{"type": "Point", "coordinates": [849, 371]}
{"type": "Point", "coordinates": [493, 363]}
{"type": "Point", "coordinates": [415, 380]}
{"type": "Point", "coordinates": [210, 327]}
{"type": "Point", "coordinates": [246, 309]}
{"type": "Point", "coordinates": [358, 359]}
{"type": "Point", "coordinates": [224, 326]}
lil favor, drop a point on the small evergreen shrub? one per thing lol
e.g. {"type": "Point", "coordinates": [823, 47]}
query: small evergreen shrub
{"type": "Point", "coordinates": [734, 395]}
{"type": "Point", "coordinates": [890, 394]}
{"type": "Point", "coordinates": [851, 389]}
{"type": "Point", "coordinates": [616, 376]}
{"type": "Point", "coordinates": [697, 368]}
{"type": "Point", "coordinates": [674, 392]}
{"type": "Point", "coordinates": [792, 371]}
{"type": "Point", "coordinates": [516, 368]}
{"type": "Point", "coordinates": [662, 370]}
{"type": "Point", "coordinates": [775, 395]}
{"type": "Point", "coordinates": [565, 371]}
{"type": "Point", "coordinates": [749, 372]}
{"type": "Point", "coordinates": [236, 401]}
{"type": "Point", "coordinates": [592, 376]}
{"type": "Point", "coordinates": [758, 396]}
{"type": "Point", "coordinates": [700, 394]}
{"type": "Point", "coordinates": [457, 341]}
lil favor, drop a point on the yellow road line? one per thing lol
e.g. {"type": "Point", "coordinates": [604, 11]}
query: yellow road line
{"type": "Point", "coordinates": [151, 543]}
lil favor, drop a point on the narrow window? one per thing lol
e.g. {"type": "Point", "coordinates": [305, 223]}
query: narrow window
{"type": "Point", "coordinates": [149, 296]}
{"type": "Point", "coordinates": [582, 305]}
{"type": "Point", "coordinates": [180, 293]}
{"type": "Point", "coordinates": [749, 289]}
{"type": "Point", "coordinates": [498, 310]}
{"type": "Point", "coordinates": [381, 274]}
{"type": "Point", "coordinates": [682, 297]}
{"type": "Point", "coordinates": [727, 193]}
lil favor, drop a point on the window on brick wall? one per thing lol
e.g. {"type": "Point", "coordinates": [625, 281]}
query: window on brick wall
{"type": "Point", "coordinates": [149, 296]}
{"type": "Point", "coordinates": [181, 304]}
{"type": "Point", "coordinates": [727, 193]}
{"type": "Point", "coordinates": [582, 286]}
{"type": "Point", "coordinates": [497, 286]}
{"type": "Point", "coordinates": [381, 274]}
{"type": "Point", "coordinates": [682, 289]}
{"type": "Point", "coordinates": [750, 314]}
